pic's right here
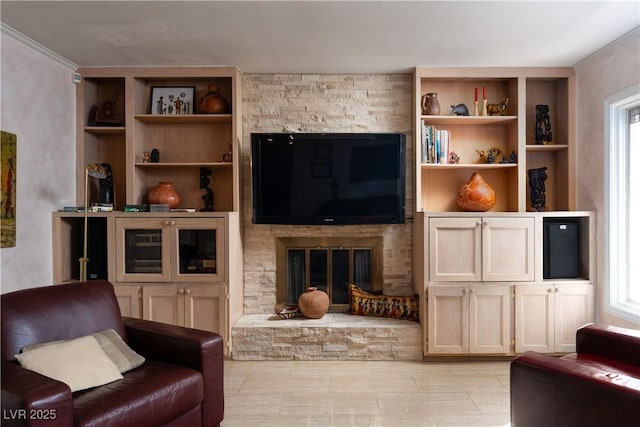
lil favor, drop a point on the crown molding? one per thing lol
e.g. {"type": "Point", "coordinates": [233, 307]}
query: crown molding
{"type": "Point", "coordinates": [7, 30]}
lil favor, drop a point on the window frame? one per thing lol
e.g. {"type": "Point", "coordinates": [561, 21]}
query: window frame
{"type": "Point", "coordinates": [617, 216]}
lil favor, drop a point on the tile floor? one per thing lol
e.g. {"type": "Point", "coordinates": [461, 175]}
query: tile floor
{"type": "Point", "coordinates": [368, 393]}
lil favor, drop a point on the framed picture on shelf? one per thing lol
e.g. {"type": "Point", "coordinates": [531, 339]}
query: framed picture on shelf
{"type": "Point", "coordinates": [172, 100]}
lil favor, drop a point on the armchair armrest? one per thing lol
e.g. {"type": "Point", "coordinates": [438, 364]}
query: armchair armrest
{"type": "Point", "coordinates": [196, 349]}
{"type": "Point", "coordinates": [555, 392]}
{"type": "Point", "coordinates": [611, 342]}
{"type": "Point", "coordinates": [31, 399]}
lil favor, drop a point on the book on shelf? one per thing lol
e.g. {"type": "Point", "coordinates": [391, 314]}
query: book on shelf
{"type": "Point", "coordinates": [435, 144]}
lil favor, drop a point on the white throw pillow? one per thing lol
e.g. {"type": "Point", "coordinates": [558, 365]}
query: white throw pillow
{"type": "Point", "coordinates": [112, 344]}
{"type": "Point", "coordinates": [79, 363]}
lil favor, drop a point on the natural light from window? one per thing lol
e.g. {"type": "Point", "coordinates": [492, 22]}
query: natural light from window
{"type": "Point", "coordinates": [622, 228]}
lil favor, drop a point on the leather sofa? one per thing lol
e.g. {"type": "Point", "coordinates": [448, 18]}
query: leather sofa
{"type": "Point", "coordinates": [180, 382]}
{"type": "Point", "coordinates": [598, 386]}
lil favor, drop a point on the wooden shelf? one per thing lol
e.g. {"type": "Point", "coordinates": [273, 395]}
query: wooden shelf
{"type": "Point", "coordinates": [468, 166]}
{"type": "Point", "coordinates": [184, 119]}
{"type": "Point", "coordinates": [184, 165]}
{"type": "Point", "coordinates": [469, 120]}
{"type": "Point", "coordinates": [105, 130]}
{"type": "Point", "coordinates": [546, 148]}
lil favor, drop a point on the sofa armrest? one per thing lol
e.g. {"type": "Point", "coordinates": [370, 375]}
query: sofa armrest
{"type": "Point", "coordinates": [196, 349]}
{"type": "Point", "coordinates": [549, 391]}
{"type": "Point", "coordinates": [31, 399]}
{"type": "Point", "coordinates": [611, 342]}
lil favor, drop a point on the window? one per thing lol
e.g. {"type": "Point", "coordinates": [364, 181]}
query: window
{"type": "Point", "coordinates": [622, 197]}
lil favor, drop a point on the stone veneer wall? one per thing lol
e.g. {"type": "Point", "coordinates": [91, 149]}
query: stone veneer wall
{"type": "Point", "coordinates": [323, 103]}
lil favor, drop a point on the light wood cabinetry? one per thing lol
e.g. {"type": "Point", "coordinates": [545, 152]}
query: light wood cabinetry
{"type": "Point", "coordinates": [181, 268]}
{"type": "Point", "coordinates": [185, 142]}
{"type": "Point", "coordinates": [547, 315]}
{"type": "Point", "coordinates": [476, 248]}
{"type": "Point", "coordinates": [193, 306]}
{"type": "Point", "coordinates": [469, 318]}
{"type": "Point", "coordinates": [514, 132]}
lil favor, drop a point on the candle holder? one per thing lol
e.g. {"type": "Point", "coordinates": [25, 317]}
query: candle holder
{"type": "Point", "coordinates": [475, 108]}
{"type": "Point", "coordinates": [484, 107]}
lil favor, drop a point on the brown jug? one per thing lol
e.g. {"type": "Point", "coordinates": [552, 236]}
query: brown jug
{"type": "Point", "coordinates": [213, 102]}
{"type": "Point", "coordinates": [430, 104]}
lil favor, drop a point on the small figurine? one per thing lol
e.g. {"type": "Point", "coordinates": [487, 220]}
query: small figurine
{"type": "Point", "coordinates": [454, 159]}
{"type": "Point", "coordinates": [460, 110]}
{"type": "Point", "coordinates": [207, 198]}
{"type": "Point", "coordinates": [228, 154]}
{"type": "Point", "coordinates": [513, 157]}
{"type": "Point", "coordinates": [537, 177]}
{"type": "Point", "coordinates": [543, 126]}
{"type": "Point", "coordinates": [106, 185]}
{"type": "Point", "coordinates": [155, 155]}
{"type": "Point", "coordinates": [145, 157]}
{"type": "Point", "coordinates": [482, 154]}
{"type": "Point", "coordinates": [498, 109]}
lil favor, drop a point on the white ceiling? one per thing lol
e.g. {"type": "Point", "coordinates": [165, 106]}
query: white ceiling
{"type": "Point", "coordinates": [322, 36]}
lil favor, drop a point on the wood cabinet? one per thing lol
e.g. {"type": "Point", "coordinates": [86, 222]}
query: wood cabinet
{"type": "Point", "coordinates": [548, 315]}
{"type": "Point", "coordinates": [193, 306]}
{"type": "Point", "coordinates": [469, 319]}
{"type": "Point", "coordinates": [481, 249]}
{"type": "Point", "coordinates": [513, 135]}
{"type": "Point", "coordinates": [183, 269]}
{"type": "Point", "coordinates": [170, 249]}
{"type": "Point", "coordinates": [185, 142]}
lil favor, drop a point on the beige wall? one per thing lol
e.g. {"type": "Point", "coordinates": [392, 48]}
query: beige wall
{"type": "Point", "coordinates": [38, 99]}
{"type": "Point", "coordinates": [603, 74]}
{"type": "Point", "coordinates": [323, 103]}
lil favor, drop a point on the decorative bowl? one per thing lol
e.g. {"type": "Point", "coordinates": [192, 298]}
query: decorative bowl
{"type": "Point", "coordinates": [287, 312]}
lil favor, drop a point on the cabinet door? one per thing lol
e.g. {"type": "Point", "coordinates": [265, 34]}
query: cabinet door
{"type": "Point", "coordinates": [489, 319]}
{"type": "Point", "coordinates": [448, 319]}
{"type": "Point", "coordinates": [205, 308]}
{"type": "Point", "coordinates": [142, 250]}
{"type": "Point", "coordinates": [455, 249]}
{"type": "Point", "coordinates": [534, 313]}
{"type": "Point", "coordinates": [163, 303]}
{"type": "Point", "coordinates": [128, 300]}
{"type": "Point", "coordinates": [197, 253]}
{"type": "Point", "coordinates": [508, 249]}
{"type": "Point", "coordinates": [573, 308]}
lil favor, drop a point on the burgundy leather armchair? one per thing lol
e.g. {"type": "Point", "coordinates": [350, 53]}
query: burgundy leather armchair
{"type": "Point", "coordinates": [597, 386]}
{"type": "Point", "coordinates": [179, 384]}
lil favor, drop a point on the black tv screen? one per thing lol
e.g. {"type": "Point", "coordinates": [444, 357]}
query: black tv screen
{"type": "Point", "coordinates": [328, 178]}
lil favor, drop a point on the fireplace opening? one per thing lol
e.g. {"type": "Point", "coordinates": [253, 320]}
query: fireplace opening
{"type": "Point", "coordinates": [330, 264]}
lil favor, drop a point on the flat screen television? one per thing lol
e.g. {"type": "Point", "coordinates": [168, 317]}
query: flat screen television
{"type": "Point", "coordinates": [328, 178]}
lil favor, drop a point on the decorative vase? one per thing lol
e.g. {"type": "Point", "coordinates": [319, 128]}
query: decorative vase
{"type": "Point", "coordinates": [430, 104]}
{"type": "Point", "coordinates": [313, 303]}
{"type": "Point", "coordinates": [165, 194]}
{"type": "Point", "coordinates": [213, 102]}
{"type": "Point", "coordinates": [476, 195]}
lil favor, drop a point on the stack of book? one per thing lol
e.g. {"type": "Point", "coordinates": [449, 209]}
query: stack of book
{"type": "Point", "coordinates": [435, 144]}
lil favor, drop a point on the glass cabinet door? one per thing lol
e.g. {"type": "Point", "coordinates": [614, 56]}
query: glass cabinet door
{"type": "Point", "coordinates": [198, 250]}
{"type": "Point", "coordinates": [143, 250]}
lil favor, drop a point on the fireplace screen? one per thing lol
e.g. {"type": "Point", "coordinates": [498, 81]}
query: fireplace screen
{"type": "Point", "coordinates": [328, 269]}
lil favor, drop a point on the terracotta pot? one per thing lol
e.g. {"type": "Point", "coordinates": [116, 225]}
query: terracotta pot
{"type": "Point", "coordinates": [213, 102]}
{"type": "Point", "coordinates": [165, 194]}
{"type": "Point", "coordinates": [476, 195]}
{"type": "Point", "coordinates": [430, 104]}
{"type": "Point", "coordinates": [313, 303]}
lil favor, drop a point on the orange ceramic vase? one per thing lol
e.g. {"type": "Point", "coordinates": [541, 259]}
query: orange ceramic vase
{"type": "Point", "coordinates": [476, 195]}
{"type": "Point", "coordinates": [313, 303]}
{"type": "Point", "coordinates": [165, 194]}
{"type": "Point", "coordinates": [213, 102]}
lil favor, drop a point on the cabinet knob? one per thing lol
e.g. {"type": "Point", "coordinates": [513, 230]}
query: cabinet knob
{"type": "Point", "coordinates": [465, 291]}
{"type": "Point", "coordinates": [187, 291]}
{"type": "Point", "coordinates": [172, 222]}
{"type": "Point", "coordinates": [165, 222]}
{"type": "Point", "coordinates": [472, 290]}
{"type": "Point", "coordinates": [479, 222]}
{"type": "Point", "coordinates": [180, 291]}
{"type": "Point", "coordinates": [549, 290]}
